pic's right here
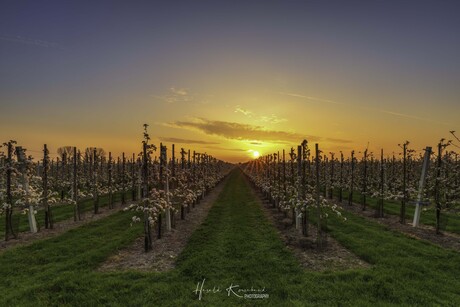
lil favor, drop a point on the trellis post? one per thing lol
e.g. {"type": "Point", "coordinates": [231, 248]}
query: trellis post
{"type": "Point", "coordinates": [418, 209]}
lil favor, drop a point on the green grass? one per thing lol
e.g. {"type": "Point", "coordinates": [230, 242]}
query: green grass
{"type": "Point", "coordinates": [235, 244]}
{"type": "Point", "coordinates": [427, 217]}
{"type": "Point", "coordinates": [60, 212]}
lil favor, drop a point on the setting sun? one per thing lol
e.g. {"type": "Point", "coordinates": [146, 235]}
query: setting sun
{"type": "Point", "coordinates": [255, 154]}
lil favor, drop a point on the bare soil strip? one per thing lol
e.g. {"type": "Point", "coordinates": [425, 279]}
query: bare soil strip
{"type": "Point", "coordinates": [423, 232]}
{"type": "Point", "coordinates": [167, 249]}
{"type": "Point", "coordinates": [27, 238]}
{"type": "Point", "coordinates": [333, 257]}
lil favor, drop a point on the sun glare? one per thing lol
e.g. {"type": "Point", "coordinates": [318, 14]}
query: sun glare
{"type": "Point", "coordinates": [255, 154]}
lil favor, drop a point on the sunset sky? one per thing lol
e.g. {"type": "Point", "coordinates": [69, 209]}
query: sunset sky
{"type": "Point", "coordinates": [229, 77]}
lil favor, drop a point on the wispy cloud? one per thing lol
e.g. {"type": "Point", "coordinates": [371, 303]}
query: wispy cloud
{"type": "Point", "coordinates": [316, 99]}
{"type": "Point", "coordinates": [310, 98]}
{"type": "Point", "coordinates": [175, 95]}
{"type": "Point", "coordinates": [180, 92]}
{"type": "Point", "coordinates": [412, 117]}
{"type": "Point", "coordinates": [184, 141]}
{"type": "Point", "coordinates": [245, 132]}
{"type": "Point", "coordinates": [245, 112]}
{"type": "Point", "coordinates": [271, 119]}
{"type": "Point", "coordinates": [30, 41]}
{"type": "Point", "coordinates": [181, 95]}
{"type": "Point", "coordinates": [401, 114]}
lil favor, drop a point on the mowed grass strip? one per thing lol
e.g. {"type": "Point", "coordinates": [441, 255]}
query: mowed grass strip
{"type": "Point", "coordinates": [61, 212]}
{"type": "Point", "coordinates": [449, 221]}
{"type": "Point", "coordinates": [235, 245]}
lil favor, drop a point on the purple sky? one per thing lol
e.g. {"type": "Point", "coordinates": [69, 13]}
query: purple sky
{"type": "Point", "coordinates": [106, 58]}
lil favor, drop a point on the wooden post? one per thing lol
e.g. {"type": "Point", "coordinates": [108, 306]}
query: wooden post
{"type": "Point", "coordinates": [391, 184]}
{"type": "Point", "coordinates": [304, 182]}
{"type": "Point", "coordinates": [9, 197]}
{"type": "Point", "coordinates": [133, 181]}
{"type": "Point", "coordinates": [203, 170]}
{"type": "Point", "coordinates": [182, 166]}
{"type": "Point", "coordinates": [182, 212]}
{"type": "Point", "coordinates": [350, 194]}
{"type": "Point", "coordinates": [139, 179]}
{"type": "Point", "coordinates": [418, 209]}
{"type": "Point", "coordinates": [189, 178]}
{"type": "Point", "coordinates": [119, 181]}
{"type": "Point", "coordinates": [52, 169]}
{"type": "Point", "coordinates": [278, 182]}
{"type": "Point", "coordinates": [331, 189]}
{"type": "Point", "coordinates": [319, 240]}
{"type": "Point", "coordinates": [284, 179]}
{"type": "Point", "coordinates": [166, 187]}
{"type": "Point", "coordinates": [147, 228]}
{"type": "Point", "coordinates": [324, 163]}
{"type": "Point", "coordinates": [123, 179]}
{"type": "Point", "coordinates": [88, 172]}
{"type": "Point", "coordinates": [437, 189]}
{"type": "Point", "coordinates": [382, 186]}
{"type": "Point", "coordinates": [173, 185]}
{"type": "Point", "coordinates": [341, 178]}
{"type": "Point", "coordinates": [182, 158]}
{"type": "Point", "coordinates": [109, 170]}
{"type": "Point", "coordinates": [46, 205]}
{"type": "Point", "coordinates": [298, 217]}
{"type": "Point", "coordinates": [292, 182]}
{"type": "Point", "coordinates": [403, 202]}
{"type": "Point", "coordinates": [95, 179]}
{"type": "Point", "coordinates": [364, 188]}
{"type": "Point", "coordinates": [76, 215]}
{"type": "Point", "coordinates": [63, 173]}
{"type": "Point", "coordinates": [193, 172]}
{"type": "Point", "coordinates": [271, 177]}
{"type": "Point", "coordinates": [22, 159]}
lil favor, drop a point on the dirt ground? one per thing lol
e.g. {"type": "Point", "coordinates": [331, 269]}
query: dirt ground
{"type": "Point", "coordinates": [167, 249]}
{"type": "Point", "coordinates": [26, 238]}
{"type": "Point", "coordinates": [423, 232]}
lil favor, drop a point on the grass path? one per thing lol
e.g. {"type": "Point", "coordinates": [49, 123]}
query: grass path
{"type": "Point", "coordinates": [235, 245]}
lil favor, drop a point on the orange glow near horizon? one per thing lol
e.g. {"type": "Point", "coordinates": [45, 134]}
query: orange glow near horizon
{"type": "Point", "coordinates": [232, 132]}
